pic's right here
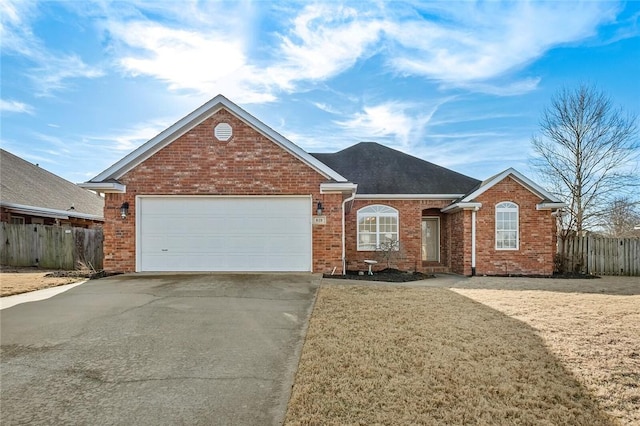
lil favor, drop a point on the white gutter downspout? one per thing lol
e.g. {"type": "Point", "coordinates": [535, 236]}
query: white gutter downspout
{"type": "Point", "coordinates": [473, 241]}
{"type": "Point", "coordinates": [344, 244]}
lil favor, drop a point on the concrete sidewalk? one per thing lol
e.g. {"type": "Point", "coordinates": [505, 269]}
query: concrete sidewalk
{"type": "Point", "coordinates": [34, 296]}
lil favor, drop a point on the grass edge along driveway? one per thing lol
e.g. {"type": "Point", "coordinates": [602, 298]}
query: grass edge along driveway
{"type": "Point", "coordinates": [400, 355]}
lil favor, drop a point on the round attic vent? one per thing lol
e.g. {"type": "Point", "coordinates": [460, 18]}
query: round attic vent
{"type": "Point", "coordinates": [223, 132]}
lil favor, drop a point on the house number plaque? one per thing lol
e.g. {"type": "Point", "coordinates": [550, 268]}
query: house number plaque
{"type": "Point", "coordinates": [319, 220]}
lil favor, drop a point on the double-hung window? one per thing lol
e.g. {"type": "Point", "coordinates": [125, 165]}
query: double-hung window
{"type": "Point", "coordinates": [507, 237]}
{"type": "Point", "coordinates": [377, 225]}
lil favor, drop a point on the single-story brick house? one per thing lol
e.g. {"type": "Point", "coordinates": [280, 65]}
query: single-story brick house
{"type": "Point", "coordinates": [221, 191]}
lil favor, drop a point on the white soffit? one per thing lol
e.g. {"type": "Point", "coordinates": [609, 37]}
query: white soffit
{"type": "Point", "coordinates": [447, 197]}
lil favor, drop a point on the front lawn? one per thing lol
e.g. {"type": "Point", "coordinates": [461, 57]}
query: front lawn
{"type": "Point", "coordinates": [23, 280]}
{"type": "Point", "coordinates": [399, 355]}
{"type": "Point", "coordinates": [596, 336]}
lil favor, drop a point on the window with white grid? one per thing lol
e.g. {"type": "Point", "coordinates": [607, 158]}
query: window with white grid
{"type": "Point", "coordinates": [507, 237]}
{"type": "Point", "coordinates": [377, 224]}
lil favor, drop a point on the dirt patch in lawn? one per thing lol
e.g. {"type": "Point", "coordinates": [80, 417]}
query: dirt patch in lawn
{"type": "Point", "coordinates": [596, 337]}
{"type": "Point", "coordinates": [401, 355]}
{"type": "Point", "coordinates": [17, 281]}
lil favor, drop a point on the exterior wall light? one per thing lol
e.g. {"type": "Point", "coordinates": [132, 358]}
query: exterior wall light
{"type": "Point", "coordinates": [124, 209]}
{"type": "Point", "coordinates": [319, 208]}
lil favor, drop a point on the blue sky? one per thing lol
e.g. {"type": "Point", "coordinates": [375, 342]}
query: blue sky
{"type": "Point", "coordinates": [460, 84]}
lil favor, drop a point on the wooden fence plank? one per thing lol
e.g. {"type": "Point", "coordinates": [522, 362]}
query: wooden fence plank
{"type": "Point", "coordinates": [51, 247]}
{"type": "Point", "coordinates": [602, 255]}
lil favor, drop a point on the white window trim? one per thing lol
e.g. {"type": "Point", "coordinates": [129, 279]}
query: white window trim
{"type": "Point", "coordinates": [510, 209]}
{"type": "Point", "coordinates": [377, 210]}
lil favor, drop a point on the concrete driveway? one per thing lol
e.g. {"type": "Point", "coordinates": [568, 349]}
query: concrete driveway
{"type": "Point", "coordinates": [157, 349]}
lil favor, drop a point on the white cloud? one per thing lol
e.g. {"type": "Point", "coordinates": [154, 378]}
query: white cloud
{"type": "Point", "coordinates": [519, 87]}
{"type": "Point", "coordinates": [325, 40]}
{"type": "Point", "coordinates": [62, 147]}
{"type": "Point", "coordinates": [477, 42]}
{"type": "Point", "coordinates": [127, 140]}
{"type": "Point", "coordinates": [210, 47]}
{"type": "Point", "coordinates": [15, 26]}
{"type": "Point", "coordinates": [7, 105]}
{"type": "Point", "coordinates": [399, 124]}
{"type": "Point", "coordinates": [471, 151]}
{"type": "Point", "coordinates": [321, 42]}
{"type": "Point", "coordinates": [51, 69]}
{"type": "Point", "coordinates": [205, 55]}
{"type": "Point", "coordinates": [53, 73]}
{"type": "Point", "coordinates": [384, 121]}
{"type": "Point", "coordinates": [184, 59]}
{"type": "Point", "coordinates": [326, 107]}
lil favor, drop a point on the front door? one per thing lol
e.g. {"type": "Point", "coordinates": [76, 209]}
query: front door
{"type": "Point", "coordinates": [431, 239]}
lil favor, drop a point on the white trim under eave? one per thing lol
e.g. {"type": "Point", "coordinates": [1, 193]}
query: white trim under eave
{"type": "Point", "coordinates": [550, 206]}
{"type": "Point", "coordinates": [104, 187]}
{"type": "Point", "coordinates": [408, 196]}
{"type": "Point", "coordinates": [329, 187]}
{"type": "Point", "coordinates": [52, 213]}
{"type": "Point", "coordinates": [461, 206]}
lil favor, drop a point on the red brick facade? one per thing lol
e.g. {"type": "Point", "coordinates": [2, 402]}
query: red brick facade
{"type": "Point", "coordinates": [537, 236]}
{"type": "Point", "coordinates": [410, 213]}
{"type": "Point", "coordinates": [537, 231]}
{"type": "Point", "coordinates": [198, 164]}
{"type": "Point", "coordinates": [459, 236]}
{"type": "Point", "coordinates": [250, 163]}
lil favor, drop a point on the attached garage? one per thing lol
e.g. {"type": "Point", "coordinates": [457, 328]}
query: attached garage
{"type": "Point", "coordinates": [218, 233]}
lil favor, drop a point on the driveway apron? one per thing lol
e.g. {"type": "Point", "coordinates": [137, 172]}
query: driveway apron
{"type": "Point", "coordinates": [157, 349]}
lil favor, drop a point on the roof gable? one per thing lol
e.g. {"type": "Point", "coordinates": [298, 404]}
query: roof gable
{"type": "Point", "coordinates": [30, 187]}
{"type": "Point", "coordinates": [378, 169]}
{"type": "Point", "coordinates": [518, 177]}
{"type": "Point", "coordinates": [196, 117]}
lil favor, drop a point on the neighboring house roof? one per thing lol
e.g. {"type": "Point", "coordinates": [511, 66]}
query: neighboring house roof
{"type": "Point", "coordinates": [185, 124]}
{"type": "Point", "coordinates": [29, 189]}
{"type": "Point", "coordinates": [378, 169]}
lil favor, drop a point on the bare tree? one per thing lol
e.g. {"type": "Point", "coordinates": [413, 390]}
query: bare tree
{"type": "Point", "coordinates": [390, 252]}
{"type": "Point", "coordinates": [588, 152]}
{"type": "Point", "coordinates": [623, 218]}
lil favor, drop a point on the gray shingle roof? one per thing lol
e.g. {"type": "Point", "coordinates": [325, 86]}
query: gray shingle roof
{"type": "Point", "coordinates": [378, 169]}
{"type": "Point", "coordinates": [26, 184]}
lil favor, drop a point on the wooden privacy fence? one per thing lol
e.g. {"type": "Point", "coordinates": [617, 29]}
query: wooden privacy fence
{"type": "Point", "coordinates": [52, 247]}
{"type": "Point", "coordinates": [601, 256]}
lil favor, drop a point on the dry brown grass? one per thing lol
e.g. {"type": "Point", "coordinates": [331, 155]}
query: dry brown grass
{"type": "Point", "coordinates": [22, 282]}
{"type": "Point", "coordinates": [596, 336]}
{"type": "Point", "coordinates": [398, 355]}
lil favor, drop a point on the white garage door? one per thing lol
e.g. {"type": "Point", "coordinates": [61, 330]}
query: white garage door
{"type": "Point", "coordinates": [224, 234]}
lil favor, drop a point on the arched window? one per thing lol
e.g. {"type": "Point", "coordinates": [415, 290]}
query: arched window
{"type": "Point", "coordinates": [507, 237]}
{"type": "Point", "coordinates": [377, 224]}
